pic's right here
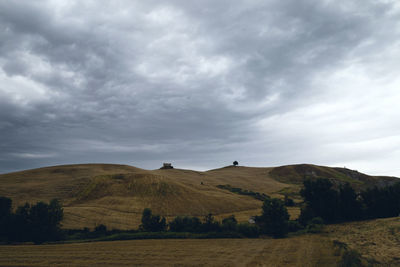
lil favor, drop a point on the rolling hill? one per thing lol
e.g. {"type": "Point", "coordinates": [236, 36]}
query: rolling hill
{"type": "Point", "coordinates": [115, 195]}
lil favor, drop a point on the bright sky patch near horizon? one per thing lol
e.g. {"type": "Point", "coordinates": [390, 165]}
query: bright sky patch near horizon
{"type": "Point", "coordinates": [200, 83]}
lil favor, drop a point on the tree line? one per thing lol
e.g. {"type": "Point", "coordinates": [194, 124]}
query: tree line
{"type": "Point", "coordinates": [192, 224]}
{"type": "Point", "coordinates": [37, 223]}
{"type": "Point", "coordinates": [345, 204]}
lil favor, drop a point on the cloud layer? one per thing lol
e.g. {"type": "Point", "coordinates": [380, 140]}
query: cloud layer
{"type": "Point", "coordinates": [200, 84]}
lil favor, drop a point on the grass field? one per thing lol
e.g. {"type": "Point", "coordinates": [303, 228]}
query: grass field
{"type": "Point", "coordinates": [378, 242]}
{"type": "Point", "coordinates": [307, 250]}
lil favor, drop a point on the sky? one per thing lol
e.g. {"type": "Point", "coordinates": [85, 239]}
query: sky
{"type": "Point", "coordinates": [200, 83]}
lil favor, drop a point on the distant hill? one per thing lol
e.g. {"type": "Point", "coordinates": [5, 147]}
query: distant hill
{"type": "Point", "coordinates": [115, 195]}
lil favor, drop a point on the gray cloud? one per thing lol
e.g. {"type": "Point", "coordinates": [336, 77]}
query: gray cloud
{"type": "Point", "coordinates": [199, 84]}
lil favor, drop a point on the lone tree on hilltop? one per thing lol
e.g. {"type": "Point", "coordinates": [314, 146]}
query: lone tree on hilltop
{"type": "Point", "coordinates": [235, 163]}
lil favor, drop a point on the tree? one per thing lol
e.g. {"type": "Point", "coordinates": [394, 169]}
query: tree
{"type": "Point", "coordinates": [38, 223]}
{"type": "Point", "coordinates": [288, 201]}
{"type": "Point", "coordinates": [152, 223]}
{"type": "Point", "coordinates": [100, 230]}
{"type": "Point", "coordinates": [5, 207]}
{"type": "Point", "coordinates": [321, 199]}
{"type": "Point", "coordinates": [381, 202]}
{"type": "Point", "coordinates": [210, 224]}
{"type": "Point", "coordinates": [5, 217]}
{"type": "Point", "coordinates": [235, 163]}
{"type": "Point", "coordinates": [349, 206]}
{"type": "Point", "coordinates": [44, 221]}
{"type": "Point", "coordinates": [274, 218]}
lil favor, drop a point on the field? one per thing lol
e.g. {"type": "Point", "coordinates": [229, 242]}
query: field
{"type": "Point", "coordinates": [308, 250]}
{"type": "Point", "coordinates": [378, 242]}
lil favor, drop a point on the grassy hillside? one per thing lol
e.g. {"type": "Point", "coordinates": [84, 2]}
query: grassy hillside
{"type": "Point", "coordinates": [115, 195]}
{"type": "Point", "coordinates": [295, 174]}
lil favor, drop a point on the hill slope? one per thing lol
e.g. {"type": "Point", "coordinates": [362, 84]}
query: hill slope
{"type": "Point", "coordinates": [115, 195]}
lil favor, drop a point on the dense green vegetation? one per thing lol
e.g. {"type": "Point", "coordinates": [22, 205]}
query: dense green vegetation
{"type": "Point", "coordinates": [152, 223]}
{"type": "Point", "coordinates": [274, 219]}
{"type": "Point", "coordinates": [345, 204]}
{"type": "Point", "coordinates": [37, 223]}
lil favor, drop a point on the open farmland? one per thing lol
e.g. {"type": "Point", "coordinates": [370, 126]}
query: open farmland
{"type": "Point", "coordinates": [378, 242]}
{"type": "Point", "coordinates": [307, 250]}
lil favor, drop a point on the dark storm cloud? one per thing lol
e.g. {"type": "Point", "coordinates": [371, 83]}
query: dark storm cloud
{"type": "Point", "coordinates": [197, 83]}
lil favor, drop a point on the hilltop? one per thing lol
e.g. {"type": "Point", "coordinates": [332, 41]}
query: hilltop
{"type": "Point", "coordinates": [115, 195]}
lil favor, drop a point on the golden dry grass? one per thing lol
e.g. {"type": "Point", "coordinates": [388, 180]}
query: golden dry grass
{"type": "Point", "coordinates": [377, 240]}
{"type": "Point", "coordinates": [115, 195]}
{"type": "Point", "coordinates": [307, 250]}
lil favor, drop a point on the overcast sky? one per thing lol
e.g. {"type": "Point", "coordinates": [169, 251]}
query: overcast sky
{"type": "Point", "coordinates": [200, 83]}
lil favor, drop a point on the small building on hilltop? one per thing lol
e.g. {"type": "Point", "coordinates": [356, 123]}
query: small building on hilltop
{"type": "Point", "coordinates": [166, 166]}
